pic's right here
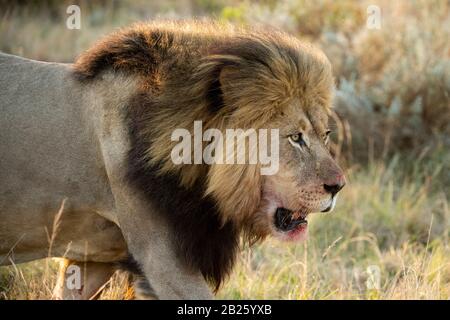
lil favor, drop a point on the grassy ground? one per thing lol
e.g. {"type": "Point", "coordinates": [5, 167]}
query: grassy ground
{"type": "Point", "coordinates": [387, 239]}
{"type": "Point", "coordinates": [389, 235]}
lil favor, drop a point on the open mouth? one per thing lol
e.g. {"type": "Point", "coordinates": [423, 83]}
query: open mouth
{"type": "Point", "coordinates": [287, 220]}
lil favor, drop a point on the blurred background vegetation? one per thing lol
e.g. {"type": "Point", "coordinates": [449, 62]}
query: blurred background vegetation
{"type": "Point", "coordinates": [392, 133]}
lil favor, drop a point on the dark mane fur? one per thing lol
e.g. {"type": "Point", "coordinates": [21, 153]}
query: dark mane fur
{"type": "Point", "coordinates": [203, 242]}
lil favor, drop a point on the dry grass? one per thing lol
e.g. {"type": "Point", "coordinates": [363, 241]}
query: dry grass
{"type": "Point", "coordinates": [383, 220]}
{"type": "Point", "coordinates": [394, 94]}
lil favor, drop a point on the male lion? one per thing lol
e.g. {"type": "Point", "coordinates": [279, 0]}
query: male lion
{"type": "Point", "coordinates": [92, 142]}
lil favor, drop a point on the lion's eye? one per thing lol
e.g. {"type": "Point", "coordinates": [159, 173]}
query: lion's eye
{"type": "Point", "coordinates": [298, 139]}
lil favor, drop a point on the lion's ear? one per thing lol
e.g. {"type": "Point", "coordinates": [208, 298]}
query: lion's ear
{"type": "Point", "coordinates": [214, 93]}
{"type": "Point", "coordinates": [226, 76]}
{"type": "Point", "coordinates": [215, 76]}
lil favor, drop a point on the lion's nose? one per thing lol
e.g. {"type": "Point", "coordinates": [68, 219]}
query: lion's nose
{"type": "Point", "coordinates": [336, 185]}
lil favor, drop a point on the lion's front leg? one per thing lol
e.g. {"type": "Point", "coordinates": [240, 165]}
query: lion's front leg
{"type": "Point", "coordinates": [81, 280]}
{"type": "Point", "coordinates": [148, 236]}
{"type": "Point", "coordinates": [150, 242]}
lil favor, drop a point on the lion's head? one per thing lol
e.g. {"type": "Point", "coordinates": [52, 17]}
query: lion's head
{"type": "Point", "coordinates": [308, 178]}
{"type": "Point", "coordinates": [275, 81]}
